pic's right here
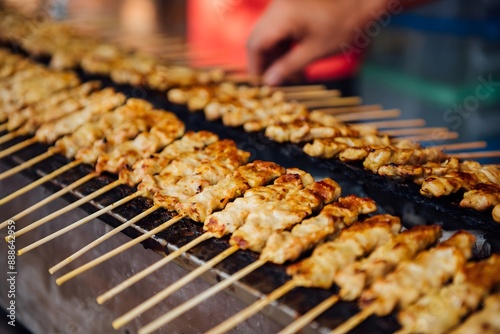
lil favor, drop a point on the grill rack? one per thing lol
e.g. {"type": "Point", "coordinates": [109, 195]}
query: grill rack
{"type": "Point", "coordinates": [269, 276]}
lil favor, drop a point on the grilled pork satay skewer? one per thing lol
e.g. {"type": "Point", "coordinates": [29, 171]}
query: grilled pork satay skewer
{"type": "Point", "coordinates": [84, 135]}
{"type": "Point", "coordinates": [201, 297]}
{"type": "Point", "coordinates": [232, 216]}
{"type": "Point", "coordinates": [218, 159]}
{"type": "Point", "coordinates": [97, 104]}
{"type": "Point", "coordinates": [49, 132]}
{"type": "Point", "coordinates": [197, 207]}
{"type": "Point", "coordinates": [217, 225]}
{"type": "Point", "coordinates": [359, 275]}
{"type": "Point", "coordinates": [285, 246]}
{"type": "Point", "coordinates": [414, 278]}
{"type": "Point", "coordinates": [496, 213]}
{"type": "Point", "coordinates": [441, 311]}
{"type": "Point", "coordinates": [291, 210]}
{"type": "Point", "coordinates": [54, 106]}
{"type": "Point", "coordinates": [118, 125]}
{"type": "Point", "coordinates": [437, 186]}
{"type": "Point", "coordinates": [191, 160]}
{"type": "Point", "coordinates": [150, 165]}
{"type": "Point", "coordinates": [483, 196]}
{"type": "Point", "coordinates": [163, 128]}
{"type": "Point", "coordinates": [485, 321]}
{"type": "Point", "coordinates": [46, 111]}
{"type": "Point", "coordinates": [33, 89]}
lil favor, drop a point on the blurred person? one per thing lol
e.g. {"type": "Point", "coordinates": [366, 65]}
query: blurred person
{"type": "Point", "coordinates": [291, 34]}
{"type": "Point", "coordinates": [217, 34]}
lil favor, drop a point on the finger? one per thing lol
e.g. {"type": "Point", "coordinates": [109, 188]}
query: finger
{"type": "Point", "coordinates": [262, 48]}
{"type": "Point", "coordinates": [291, 63]}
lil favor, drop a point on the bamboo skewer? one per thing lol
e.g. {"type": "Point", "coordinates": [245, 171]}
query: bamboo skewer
{"type": "Point", "coordinates": [318, 94]}
{"type": "Point", "coordinates": [51, 198]}
{"type": "Point", "coordinates": [152, 268]}
{"type": "Point", "coordinates": [118, 250]}
{"type": "Point", "coordinates": [40, 181]}
{"type": "Point", "coordinates": [159, 296]}
{"type": "Point", "coordinates": [101, 239]}
{"type": "Point", "coordinates": [354, 321]}
{"type": "Point", "coordinates": [67, 208]}
{"type": "Point", "coordinates": [301, 88]}
{"type": "Point", "coordinates": [339, 101]}
{"type": "Point", "coordinates": [308, 317]}
{"type": "Point", "coordinates": [9, 136]}
{"type": "Point", "coordinates": [394, 124]}
{"type": "Point", "coordinates": [461, 146]}
{"type": "Point", "coordinates": [254, 308]}
{"type": "Point", "coordinates": [436, 136]}
{"type": "Point", "coordinates": [370, 115]}
{"type": "Point", "coordinates": [26, 164]}
{"type": "Point", "coordinates": [477, 155]}
{"type": "Point", "coordinates": [174, 313]}
{"type": "Point", "coordinates": [17, 147]}
{"type": "Point", "coordinates": [346, 110]}
{"type": "Point", "coordinates": [77, 223]}
{"type": "Point", "coordinates": [412, 131]}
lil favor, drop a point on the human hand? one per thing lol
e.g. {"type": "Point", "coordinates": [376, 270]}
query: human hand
{"type": "Point", "coordinates": [293, 33]}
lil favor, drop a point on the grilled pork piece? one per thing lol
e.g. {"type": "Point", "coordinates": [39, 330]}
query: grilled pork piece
{"type": "Point", "coordinates": [216, 197]}
{"type": "Point", "coordinates": [283, 214]}
{"type": "Point", "coordinates": [485, 321]}
{"type": "Point", "coordinates": [361, 238]}
{"type": "Point", "coordinates": [439, 312]}
{"type": "Point", "coordinates": [413, 278]}
{"type": "Point", "coordinates": [403, 247]}
{"type": "Point", "coordinates": [233, 216]}
{"type": "Point", "coordinates": [155, 163]}
{"type": "Point", "coordinates": [285, 246]}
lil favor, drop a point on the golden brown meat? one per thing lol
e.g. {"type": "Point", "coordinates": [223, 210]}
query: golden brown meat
{"type": "Point", "coordinates": [485, 321]}
{"type": "Point", "coordinates": [437, 186]}
{"type": "Point", "coordinates": [255, 115]}
{"type": "Point", "coordinates": [233, 216]}
{"type": "Point", "coordinates": [155, 163]}
{"type": "Point", "coordinates": [163, 128]}
{"type": "Point", "coordinates": [361, 238]}
{"type": "Point", "coordinates": [496, 213]}
{"type": "Point", "coordinates": [422, 275]}
{"type": "Point", "coordinates": [215, 197]}
{"type": "Point", "coordinates": [283, 214]}
{"type": "Point", "coordinates": [332, 147]}
{"type": "Point", "coordinates": [52, 107]}
{"type": "Point", "coordinates": [32, 89]}
{"type": "Point", "coordinates": [181, 183]}
{"type": "Point", "coordinates": [441, 311]}
{"type": "Point", "coordinates": [418, 173]}
{"type": "Point", "coordinates": [403, 247]}
{"type": "Point", "coordinates": [285, 246]}
{"type": "Point", "coordinates": [400, 156]}
{"type": "Point", "coordinates": [303, 131]}
{"type": "Point", "coordinates": [482, 196]}
{"type": "Point", "coordinates": [103, 101]}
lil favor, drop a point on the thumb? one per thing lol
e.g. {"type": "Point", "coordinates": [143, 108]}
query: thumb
{"type": "Point", "coordinates": [290, 63]}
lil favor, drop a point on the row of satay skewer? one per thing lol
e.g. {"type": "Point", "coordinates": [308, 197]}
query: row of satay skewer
{"type": "Point", "coordinates": [262, 108]}
{"type": "Point", "coordinates": [280, 213]}
{"type": "Point", "coordinates": [332, 138]}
